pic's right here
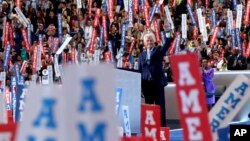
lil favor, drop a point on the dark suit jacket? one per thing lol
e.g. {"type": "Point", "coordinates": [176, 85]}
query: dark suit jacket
{"type": "Point", "coordinates": [154, 70]}
{"type": "Point", "coordinates": [233, 58]}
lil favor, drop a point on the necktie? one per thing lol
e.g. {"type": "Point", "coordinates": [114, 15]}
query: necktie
{"type": "Point", "coordinates": [148, 56]}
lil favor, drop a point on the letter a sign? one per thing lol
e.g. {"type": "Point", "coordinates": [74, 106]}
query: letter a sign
{"type": "Point", "coordinates": [150, 121]}
{"type": "Point", "coordinates": [191, 97]}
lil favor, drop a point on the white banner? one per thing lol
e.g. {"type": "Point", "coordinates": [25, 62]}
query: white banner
{"type": "Point", "coordinates": [97, 56]}
{"type": "Point", "coordinates": [33, 78]}
{"type": "Point", "coordinates": [126, 120]}
{"type": "Point", "coordinates": [83, 109]}
{"type": "Point", "coordinates": [39, 59]}
{"type": "Point", "coordinates": [22, 17]}
{"type": "Point", "coordinates": [56, 66]}
{"type": "Point", "coordinates": [229, 104]}
{"type": "Point", "coordinates": [204, 32]}
{"type": "Point", "coordinates": [62, 47]}
{"type": "Point", "coordinates": [90, 102]}
{"type": "Point", "coordinates": [169, 17]}
{"type": "Point", "coordinates": [3, 114]}
{"type": "Point", "coordinates": [50, 71]}
{"type": "Point", "coordinates": [199, 14]}
{"type": "Point", "coordinates": [130, 13]}
{"type": "Point", "coordinates": [79, 3]}
{"type": "Point", "coordinates": [230, 20]}
{"type": "Point", "coordinates": [239, 16]}
{"type": "Point", "coordinates": [126, 5]}
{"type": "Point", "coordinates": [3, 80]}
{"type": "Point", "coordinates": [43, 117]}
{"type": "Point", "coordinates": [184, 26]}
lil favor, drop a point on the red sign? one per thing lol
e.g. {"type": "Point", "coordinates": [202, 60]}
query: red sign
{"type": "Point", "coordinates": [92, 42]}
{"type": "Point", "coordinates": [214, 36]}
{"type": "Point", "coordinates": [247, 14]}
{"type": "Point", "coordinates": [191, 97]}
{"type": "Point", "coordinates": [90, 8]}
{"type": "Point", "coordinates": [136, 139]}
{"type": "Point", "coordinates": [104, 24]}
{"type": "Point", "coordinates": [97, 16]}
{"type": "Point", "coordinates": [165, 134]}
{"type": "Point", "coordinates": [7, 132]}
{"type": "Point", "coordinates": [146, 16]}
{"type": "Point", "coordinates": [157, 31]}
{"type": "Point", "coordinates": [110, 9]}
{"type": "Point", "coordinates": [150, 121]}
{"type": "Point", "coordinates": [136, 6]}
{"type": "Point", "coordinates": [26, 41]}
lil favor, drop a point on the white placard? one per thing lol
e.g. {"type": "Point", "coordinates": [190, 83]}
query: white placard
{"type": "Point", "coordinates": [199, 13]}
{"type": "Point", "coordinates": [50, 71]}
{"type": "Point", "coordinates": [22, 17]}
{"type": "Point", "coordinates": [184, 26]}
{"type": "Point", "coordinates": [43, 117]}
{"type": "Point", "coordinates": [45, 77]}
{"type": "Point", "coordinates": [3, 79]}
{"type": "Point", "coordinates": [79, 3]}
{"type": "Point", "coordinates": [239, 16]}
{"type": "Point", "coordinates": [56, 66]}
{"type": "Point", "coordinates": [80, 110]}
{"type": "Point", "coordinates": [3, 115]}
{"type": "Point", "coordinates": [90, 102]}
{"type": "Point", "coordinates": [130, 13]}
{"type": "Point", "coordinates": [39, 59]}
{"type": "Point", "coordinates": [169, 17]}
{"type": "Point", "coordinates": [126, 5]}
{"type": "Point", "coordinates": [229, 104]}
{"type": "Point", "coordinates": [62, 47]}
{"type": "Point", "coordinates": [230, 20]}
{"type": "Point", "coordinates": [33, 78]}
{"type": "Point", "coordinates": [204, 33]}
{"type": "Point", "coordinates": [97, 54]}
{"type": "Point", "coordinates": [126, 120]}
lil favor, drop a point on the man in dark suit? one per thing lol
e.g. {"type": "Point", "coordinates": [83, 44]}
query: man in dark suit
{"type": "Point", "coordinates": [152, 74]}
{"type": "Point", "coordinates": [237, 61]}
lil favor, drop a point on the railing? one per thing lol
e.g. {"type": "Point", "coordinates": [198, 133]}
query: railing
{"type": "Point", "coordinates": [222, 81]}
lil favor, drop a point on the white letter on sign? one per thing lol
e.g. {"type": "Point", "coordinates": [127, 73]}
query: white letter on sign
{"type": "Point", "coordinates": [150, 118]}
{"type": "Point", "coordinates": [150, 133]}
{"type": "Point", "coordinates": [192, 124]}
{"type": "Point", "coordinates": [190, 100]}
{"type": "Point", "coordinates": [162, 134]}
{"type": "Point", "coordinates": [185, 77]}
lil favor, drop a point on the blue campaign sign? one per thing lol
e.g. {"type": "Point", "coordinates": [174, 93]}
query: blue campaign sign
{"type": "Point", "coordinates": [223, 134]}
{"type": "Point", "coordinates": [13, 94]}
{"type": "Point", "coordinates": [20, 101]}
{"type": "Point", "coordinates": [118, 100]}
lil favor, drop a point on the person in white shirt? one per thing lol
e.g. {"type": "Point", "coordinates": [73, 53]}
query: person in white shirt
{"type": "Point", "coordinates": [88, 30]}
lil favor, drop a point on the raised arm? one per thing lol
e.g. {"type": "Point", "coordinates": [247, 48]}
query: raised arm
{"type": "Point", "coordinates": [166, 46]}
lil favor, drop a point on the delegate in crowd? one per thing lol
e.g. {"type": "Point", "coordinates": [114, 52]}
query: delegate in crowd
{"type": "Point", "coordinates": [112, 31]}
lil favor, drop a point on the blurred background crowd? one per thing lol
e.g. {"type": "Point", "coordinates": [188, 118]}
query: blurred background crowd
{"type": "Point", "coordinates": [94, 42]}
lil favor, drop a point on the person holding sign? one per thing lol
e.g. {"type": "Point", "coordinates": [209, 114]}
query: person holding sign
{"type": "Point", "coordinates": [151, 68]}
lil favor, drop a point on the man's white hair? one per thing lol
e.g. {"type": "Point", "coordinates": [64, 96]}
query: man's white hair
{"type": "Point", "coordinates": [147, 35]}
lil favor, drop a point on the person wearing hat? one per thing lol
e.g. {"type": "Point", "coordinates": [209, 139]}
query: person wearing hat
{"type": "Point", "coordinates": [152, 74]}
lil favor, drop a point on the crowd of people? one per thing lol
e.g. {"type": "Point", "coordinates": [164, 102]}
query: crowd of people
{"type": "Point", "coordinates": [93, 41]}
